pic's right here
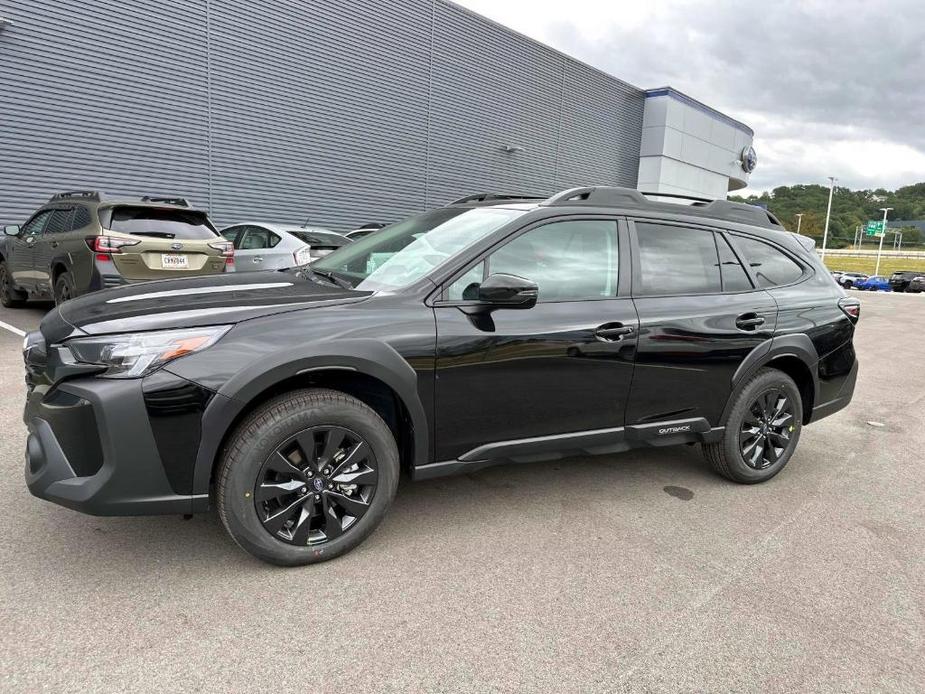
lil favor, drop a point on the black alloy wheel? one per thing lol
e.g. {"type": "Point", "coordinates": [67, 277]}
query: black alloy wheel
{"type": "Point", "coordinates": [8, 296]}
{"type": "Point", "coordinates": [316, 485]}
{"type": "Point", "coordinates": [766, 428]}
{"type": "Point", "coordinates": [63, 291]}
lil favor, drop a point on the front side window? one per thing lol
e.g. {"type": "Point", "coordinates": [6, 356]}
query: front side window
{"type": "Point", "coordinates": [569, 260]}
{"type": "Point", "coordinates": [235, 235]}
{"type": "Point", "coordinates": [676, 260]}
{"type": "Point", "coordinates": [405, 252]}
{"type": "Point", "coordinates": [258, 238]}
{"type": "Point", "coordinates": [770, 266]}
{"type": "Point", "coordinates": [36, 225]}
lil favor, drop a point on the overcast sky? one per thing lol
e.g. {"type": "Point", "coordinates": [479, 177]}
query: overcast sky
{"type": "Point", "coordinates": [831, 87]}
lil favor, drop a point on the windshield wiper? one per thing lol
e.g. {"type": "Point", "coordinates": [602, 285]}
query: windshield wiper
{"type": "Point", "coordinates": [331, 277]}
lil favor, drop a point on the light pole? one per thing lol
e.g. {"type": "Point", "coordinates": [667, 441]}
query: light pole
{"type": "Point", "coordinates": [799, 217]}
{"type": "Point", "coordinates": [828, 213]}
{"type": "Point", "coordinates": [882, 234]}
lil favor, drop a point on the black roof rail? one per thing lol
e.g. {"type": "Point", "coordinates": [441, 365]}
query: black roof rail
{"type": "Point", "coordinates": [695, 198]}
{"type": "Point", "coordinates": [167, 200]}
{"type": "Point", "coordinates": [611, 196]}
{"type": "Point", "coordinates": [482, 197]}
{"type": "Point", "coordinates": [601, 196]}
{"type": "Point", "coordinates": [83, 194]}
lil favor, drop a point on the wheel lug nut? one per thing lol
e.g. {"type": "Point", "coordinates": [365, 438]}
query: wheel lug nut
{"type": "Point", "coordinates": [317, 496]}
{"type": "Point", "coordinates": [330, 486]}
{"type": "Point", "coordinates": [309, 474]}
{"type": "Point", "coordinates": [303, 490]}
{"type": "Point", "coordinates": [327, 471]}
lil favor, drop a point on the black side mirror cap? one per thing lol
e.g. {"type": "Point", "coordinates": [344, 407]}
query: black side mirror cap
{"type": "Point", "coordinates": [508, 291]}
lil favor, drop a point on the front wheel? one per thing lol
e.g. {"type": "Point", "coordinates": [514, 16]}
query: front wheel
{"type": "Point", "coordinates": [762, 430]}
{"type": "Point", "coordinates": [9, 297]}
{"type": "Point", "coordinates": [307, 477]}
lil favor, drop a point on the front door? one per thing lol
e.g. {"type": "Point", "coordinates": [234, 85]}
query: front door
{"type": "Point", "coordinates": [563, 366]}
{"type": "Point", "coordinates": [22, 252]}
{"type": "Point", "coordinates": [46, 248]}
{"type": "Point", "coordinates": [699, 318]}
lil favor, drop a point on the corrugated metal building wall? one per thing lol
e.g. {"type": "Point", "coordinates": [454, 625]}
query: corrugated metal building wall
{"type": "Point", "coordinates": [347, 112]}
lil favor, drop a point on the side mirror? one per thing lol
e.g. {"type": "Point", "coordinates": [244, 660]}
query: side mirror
{"type": "Point", "coordinates": [508, 291]}
{"type": "Point", "coordinates": [11, 230]}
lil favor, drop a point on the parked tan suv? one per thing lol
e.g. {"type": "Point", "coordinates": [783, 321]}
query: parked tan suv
{"type": "Point", "coordinates": [82, 241]}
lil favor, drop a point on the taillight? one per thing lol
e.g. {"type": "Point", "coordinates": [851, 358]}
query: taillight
{"type": "Point", "coordinates": [303, 256]}
{"type": "Point", "coordinates": [226, 247]}
{"type": "Point", "coordinates": [850, 307]}
{"type": "Point", "coordinates": [109, 244]}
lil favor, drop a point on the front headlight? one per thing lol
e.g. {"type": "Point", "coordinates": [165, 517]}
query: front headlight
{"type": "Point", "coordinates": [133, 355]}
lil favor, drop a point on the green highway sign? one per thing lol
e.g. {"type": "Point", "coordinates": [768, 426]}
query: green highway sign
{"type": "Point", "coordinates": [874, 228]}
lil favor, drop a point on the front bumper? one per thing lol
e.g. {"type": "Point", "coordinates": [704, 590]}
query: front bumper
{"type": "Point", "coordinates": [91, 448]}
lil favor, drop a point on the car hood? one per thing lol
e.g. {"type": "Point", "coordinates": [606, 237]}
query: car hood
{"type": "Point", "coordinates": [197, 301]}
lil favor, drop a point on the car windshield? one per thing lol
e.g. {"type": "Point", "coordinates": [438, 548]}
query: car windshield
{"type": "Point", "coordinates": [403, 253]}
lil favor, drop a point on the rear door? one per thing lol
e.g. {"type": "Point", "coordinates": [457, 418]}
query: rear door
{"type": "Point", "coordinates": [46, 247]}
{"type": "Point", "coordinates": [167, 242]}
{"type": "Point", "coordinates": [700, 316]}
{"type": "Point", "coordinates": [259, 249]}
{"type": "Point", "coordinates": [23, 249]}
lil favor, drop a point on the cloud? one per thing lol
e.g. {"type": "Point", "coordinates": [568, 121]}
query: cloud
{"type": "Point", "coordinates": [830, 88]}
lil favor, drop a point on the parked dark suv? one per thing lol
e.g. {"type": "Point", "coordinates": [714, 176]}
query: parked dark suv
{"type": "Point", "coordinates": [81, 241]}
{"type": "Point", "coordinates": [490, 331]}
{"type": "Point", "coordinates": [900, 280]}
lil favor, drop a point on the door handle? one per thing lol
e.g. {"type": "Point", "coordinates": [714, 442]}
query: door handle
{"type": "Point", "coordinates": [613, 332]}
{"type": "Point", "coordinates": [54, 244]}
{"type": "Point", "coordinates": [257, 259]}
{"type": "Point", "coordinates": [749, 321]}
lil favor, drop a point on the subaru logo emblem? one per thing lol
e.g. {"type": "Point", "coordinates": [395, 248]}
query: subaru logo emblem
{"type": "Point", "coordinates": [749, 159]}
{"type": "Point", "coordinates": [176, 246]}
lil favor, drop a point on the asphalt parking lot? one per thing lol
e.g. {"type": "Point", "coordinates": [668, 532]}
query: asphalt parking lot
{"type": "Point", "coordinates": [637, 572]}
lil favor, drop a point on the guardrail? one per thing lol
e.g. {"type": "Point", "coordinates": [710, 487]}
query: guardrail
{"type": "Point", "coordinates": [864, 253]}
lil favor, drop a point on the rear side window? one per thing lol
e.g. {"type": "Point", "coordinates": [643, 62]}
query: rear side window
{"type": "Point", "coordinates": [770, 266]}
{"type": "Point", "coordinates": [161, 223]}
{"type": "Point", "coordinates": [60, 221]}
{"type": "Point", "coordinates": [81, 217]}
{"type": "Point", "coordinates": [735, 279]}
{"type": "Point", "coordinates": [676, 260]}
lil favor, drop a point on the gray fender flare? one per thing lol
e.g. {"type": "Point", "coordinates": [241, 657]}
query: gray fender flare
{"type": "Point", "coordinates": [369, 357]}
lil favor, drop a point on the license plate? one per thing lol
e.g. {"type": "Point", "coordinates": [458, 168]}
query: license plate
{"type": "Point", "coordinates": [172, 260]}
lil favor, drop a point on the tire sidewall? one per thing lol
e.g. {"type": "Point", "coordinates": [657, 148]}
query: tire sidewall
{"type": "Point", "coordinates": [764, 381]}
{"type": "Point", "coordinates": [236, 502]}
{"type": "Point", "coordinates": [63, 279]}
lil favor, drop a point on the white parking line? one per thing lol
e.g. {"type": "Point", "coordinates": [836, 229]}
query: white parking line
{"type": "Point", "coordinates": [12, 329]}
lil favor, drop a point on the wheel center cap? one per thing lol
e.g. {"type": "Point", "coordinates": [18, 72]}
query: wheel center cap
{"type": "Point", "coordinates": [318, 484]}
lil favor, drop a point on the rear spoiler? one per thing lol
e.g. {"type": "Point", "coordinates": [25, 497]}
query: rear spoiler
{"type": "Point", "coordinates": [808, 243]}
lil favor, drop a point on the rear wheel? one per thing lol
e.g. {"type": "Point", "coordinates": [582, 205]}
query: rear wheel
{"type": "Point", "coordinates": [307, 477]}
{"type": "Point", "coordinates": [848, 284]}
{"type": "Point", "coordinates": [9, 297]}
{"type": "Point", "coordinates": [64, 288]}
{"type": "Point", "coordinates": [762, 431]}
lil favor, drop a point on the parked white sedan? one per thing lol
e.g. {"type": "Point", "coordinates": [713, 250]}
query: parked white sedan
{"type": "Point", "coordinates": [262, 246]}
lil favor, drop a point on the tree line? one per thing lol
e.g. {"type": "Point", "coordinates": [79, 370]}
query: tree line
{"type": "Point", "coordinates": [850, 208]}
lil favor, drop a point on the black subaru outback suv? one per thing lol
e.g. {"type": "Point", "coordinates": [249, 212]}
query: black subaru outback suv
{"type": "Point", "coordinates": [491, 330]}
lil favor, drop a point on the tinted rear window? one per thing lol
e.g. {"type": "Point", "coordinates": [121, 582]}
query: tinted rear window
{"type": "Point", "coordinates": [770, 266]}
{"type": "Point", "coordinates": [161, 223]}
{"type": "Point", "coordinates": [314, 238]}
